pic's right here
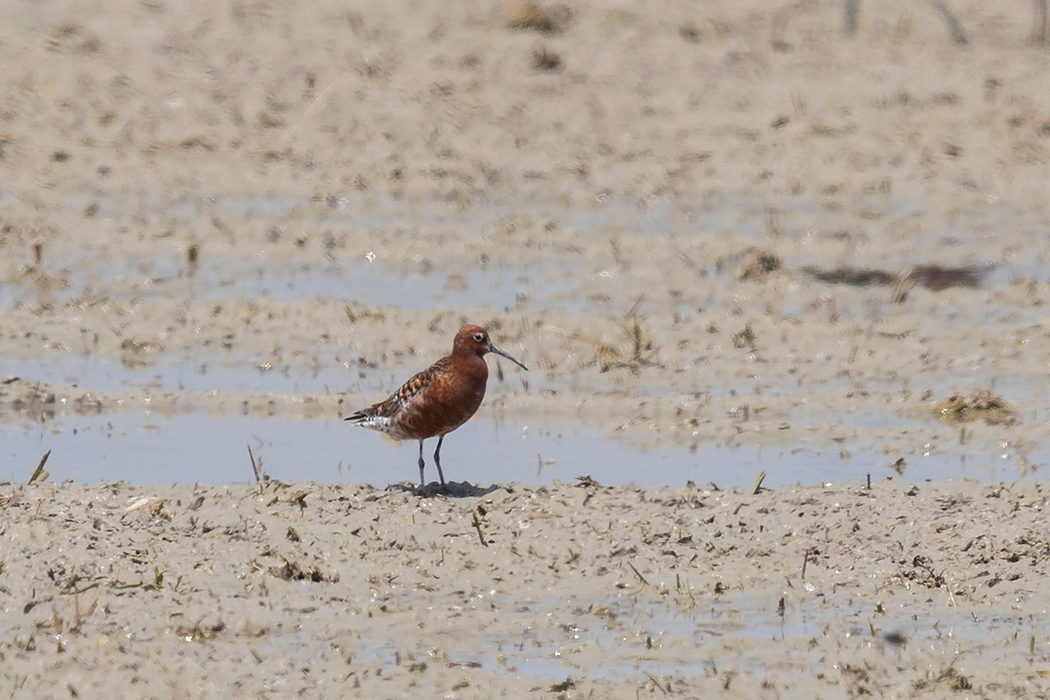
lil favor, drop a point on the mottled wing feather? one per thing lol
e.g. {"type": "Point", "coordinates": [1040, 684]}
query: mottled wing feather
{"type": "Point", "coordinates": [380, 415]}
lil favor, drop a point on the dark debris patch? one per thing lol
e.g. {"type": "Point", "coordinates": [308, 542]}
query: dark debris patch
{"type": "Point", "coordinates": [922, 572]}
{"type": "Point", "coordinates": [948, 677]}
{"type": "Point", "coordinates": [853, 276]}
{"type": "Point", "coordinates": [750, 265]}
{"type": "Point", "coordinates": [530, 15]}
{"type": "Point", "coordinates": [546, 59]}
{"type": "Point", "coordinates": [895, 639]}
{"type": "Point", "coordinates": [200, 632]}
{"type": "Point", "coordinates": [938, 277]}
{"type": "Point", "coordinates": [291, 571]}
{"type": "Point", "coordinates": [758, 265]}
{"type": "Point", "coordinates": [933, 277]}
{"type": "Point", "coordinates": [567, 684]}
{"type": "Point", "coordinates": [980, 405]}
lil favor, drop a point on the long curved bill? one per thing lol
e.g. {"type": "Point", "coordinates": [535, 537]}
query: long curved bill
{"type": "Point", "coordinates": [493, 348]}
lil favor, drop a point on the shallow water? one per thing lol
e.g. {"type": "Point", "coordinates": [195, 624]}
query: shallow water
{"type": "Point", "coordinates": [198, 448]}
{"type": "Point", "coordinates": [111, 375]}
{"type": "Point", "coordinates": [647, 636]}
{"type": "Point", "coordinates": [721, 634]}
{"type": "Point", "coordinates": [364, 278]}
{"type": "Point", "coordinates": [353, 281]}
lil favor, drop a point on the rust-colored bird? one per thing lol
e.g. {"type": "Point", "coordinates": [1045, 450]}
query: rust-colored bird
{"type": "Point", "coordinates": [439, 399]}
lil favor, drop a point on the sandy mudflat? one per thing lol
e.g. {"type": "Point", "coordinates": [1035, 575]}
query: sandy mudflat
{"type": "Point", "coordinates": [664, 211]}
{"type": "Point", "coordinates": [931, 590]}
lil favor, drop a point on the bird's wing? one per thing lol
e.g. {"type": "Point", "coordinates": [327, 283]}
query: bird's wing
{"type": "Point", "coordinates": [404, 397]}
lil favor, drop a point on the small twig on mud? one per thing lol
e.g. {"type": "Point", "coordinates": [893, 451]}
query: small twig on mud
{"type": "Point", "coordinates": [805, 561]}
{"type": "Point", "coordinates": [40, 474]}
{"type": "Point", "coordinates": [477, 526]}
{"type": "Point", "coordinates": [637, 573]}
{"type": "Point", "coordinates": [656, 682]}
{"type": "Point", "coordinates": [692, 264]}
{"type": "Point", "coordinates": [758, 482]}
{"type": "Point", "coordinates": [255, 466]}
{"type": "Point", "coordinates": [306, 113]}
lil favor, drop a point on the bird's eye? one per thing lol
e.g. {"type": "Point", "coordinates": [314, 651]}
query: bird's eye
{"type": "Point", "coordinates": [478, 337]}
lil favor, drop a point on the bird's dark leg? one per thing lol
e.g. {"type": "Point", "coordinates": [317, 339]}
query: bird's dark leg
{"type": "Point", "coordinates": [437, 460]}
{"type": "Point", "coordinates": [422, 481]}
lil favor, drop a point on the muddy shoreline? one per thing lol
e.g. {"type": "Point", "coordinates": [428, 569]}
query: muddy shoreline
{"type": "Point", "coordinates": [930, 589]}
